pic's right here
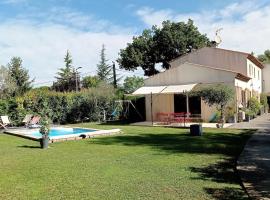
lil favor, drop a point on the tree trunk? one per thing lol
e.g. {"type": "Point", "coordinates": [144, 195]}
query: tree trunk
{"type": "Point", "coordinates": [222, 117]}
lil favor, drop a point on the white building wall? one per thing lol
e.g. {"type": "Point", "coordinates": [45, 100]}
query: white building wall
{"type": "Point", "coordinates": [266, 79]}
{"type": "Point", "coordinates": [190, 73]}
{"type": "Point", "coordinates": [254, 72]}
{"type": "Point", "coordinates": [184, 74]}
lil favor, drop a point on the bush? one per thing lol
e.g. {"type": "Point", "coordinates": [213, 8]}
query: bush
{"type": "Point", "coordinates": [264, 101]}
{"type": "Point", "coordinates": [60, 107]}
{"type": "Point", "coordinates": [218, 94]}
{"type": "Point", "coordinates": [254, 106]}
{"type": "Point", "coordinates": [3, 107]}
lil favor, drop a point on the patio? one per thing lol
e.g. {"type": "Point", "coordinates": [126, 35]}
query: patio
{"type": "Point", "coordinates": [179, 125]}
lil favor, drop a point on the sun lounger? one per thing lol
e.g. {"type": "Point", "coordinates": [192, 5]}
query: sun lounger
{"type": "Point", "coordinates": [3, 126]}
{"type": "Point", "coordinates": [34, 122]}
{"type": "Point", "coordinates": [5, 122]}
{"type": "Point", "coordinates": [27, 119]}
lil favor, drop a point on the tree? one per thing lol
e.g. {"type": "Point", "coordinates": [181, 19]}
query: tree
{"type": "Point", "coordinates": [90, 82]}
{"type": "Point", "coordinates": [19, 76]}
{"type": "Point", "coordinates": [66, 77]}
{"type": "Point", "coordinates": [161, 45]}
{"type": "Point", "coordinates": [132, 83]}
{"type": "Point", "coordinates": [265, 58]}
{"type": "Point", "coordinates": [104, 71]}
{"type": "Point", "coordinates": [7, 84]}
{"type": "Point", "coordinates": [219, 95]}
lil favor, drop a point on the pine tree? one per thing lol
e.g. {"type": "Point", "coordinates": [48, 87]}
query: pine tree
{"type": "Point", "coordinates": [104, 71]}
{"type": "Point", "coordinates": [19, 76]}
{"type": "Point", "coordinates": [66, 76]}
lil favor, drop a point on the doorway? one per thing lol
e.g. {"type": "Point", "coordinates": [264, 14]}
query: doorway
{"type": "Point", "coordinates": [180, 104]}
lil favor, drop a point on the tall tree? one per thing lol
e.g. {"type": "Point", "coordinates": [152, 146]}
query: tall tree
{"type": "Point", "coordinates": [104, 70]}
{"type": "Point", "coordinates": [66, 77]}
{"type": "Point", "coordinates": [265, 58]}
{"type": "Point", "coordinates": [7, 84]}
{"type": "Point", "coordinates": [161, 45]}
{"type": "Point", "coordinates": [19, 76]}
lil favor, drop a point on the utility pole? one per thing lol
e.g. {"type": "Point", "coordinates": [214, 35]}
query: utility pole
{"type": "Point", "coordinates": [114, 75]}
{"type": "Point", "coordinates": [76, 77]}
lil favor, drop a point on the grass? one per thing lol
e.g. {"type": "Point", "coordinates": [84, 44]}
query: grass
{"type": "Point", "coordinates": [141, 163]}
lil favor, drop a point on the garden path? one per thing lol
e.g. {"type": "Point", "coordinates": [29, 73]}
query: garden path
{"type": "Point", "coordinates": [254, 163]}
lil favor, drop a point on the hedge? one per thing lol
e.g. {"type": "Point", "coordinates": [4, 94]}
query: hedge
{"type": "Point", "coordinates": [60, 107]}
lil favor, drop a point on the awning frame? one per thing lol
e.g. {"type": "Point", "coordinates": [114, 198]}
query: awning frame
{"type": "Point", "coordinates": [169, 89]}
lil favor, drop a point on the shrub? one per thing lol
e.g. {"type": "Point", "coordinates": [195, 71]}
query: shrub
{"type": "Point", "coordinates": [264, 101]}
{"type": "Point", "coordinates": [61, 108]}
{"type": "Point", "coordinates": [254, 106]}
{"type": "Point", "coordinates": [218, 94]}
{"type": "Point", "coordinates": [3, 107]}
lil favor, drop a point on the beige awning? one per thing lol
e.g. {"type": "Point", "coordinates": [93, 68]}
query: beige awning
{"type": "Point", "coordinates": [174, 89]}
{"type": "Point", "coordinates": [148, 90]}
{"type": "Point", "coordinates": [169, 89]}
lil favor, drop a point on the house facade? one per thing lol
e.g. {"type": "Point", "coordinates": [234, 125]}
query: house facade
{"type": "Point", "coordinates": [266, 79]}
{"type": "Point", "coordinates": [167, 92]}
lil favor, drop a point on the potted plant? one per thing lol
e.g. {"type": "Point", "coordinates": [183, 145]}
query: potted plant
{"type": "Point", "coordinates": [45, 131]}
{"type": "Point", "coordinates": [230, 114]}
{"type": "Point", "coordinates": [249, 114]}
{"type": "Point", "coordinates": [254, 106]}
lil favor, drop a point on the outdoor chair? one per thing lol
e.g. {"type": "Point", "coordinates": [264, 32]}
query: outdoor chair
{"type": "Point", "coordinates": [5, 122]}
{"type": "Point", "coordinates": [27, 119]}
{"type": "Point", "coordinates": [34, 123]}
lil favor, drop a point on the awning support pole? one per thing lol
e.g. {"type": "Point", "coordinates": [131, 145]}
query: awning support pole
{"type": "Point", "coordinates": [187, 104]}
{"type": "Point", "coordinates": [187, 108]}
{"type": "Point", "coordinates": [152, 120]}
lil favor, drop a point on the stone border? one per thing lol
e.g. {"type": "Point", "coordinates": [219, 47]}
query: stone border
{"type": "Point", "coordinates": [22, 133]}
{"type": "Point", "coordinates": [86, 135]}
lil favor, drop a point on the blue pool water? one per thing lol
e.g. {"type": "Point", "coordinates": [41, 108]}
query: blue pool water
{"type": "Point", "coordinates": [63, 131]}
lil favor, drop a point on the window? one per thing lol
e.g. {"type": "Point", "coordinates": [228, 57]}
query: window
{"type": "Point", "coordinates": [243, 94]}
{"type": "Point", "coordinates": [259, 75]}
{"type": "Point", "coordinates": [254, 73]}
{"type": "Point", "coordinates": [250, 70]}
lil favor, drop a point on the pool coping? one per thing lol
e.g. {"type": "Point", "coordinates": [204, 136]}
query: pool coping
{"type": "Point", "coordinates": [21, 132]}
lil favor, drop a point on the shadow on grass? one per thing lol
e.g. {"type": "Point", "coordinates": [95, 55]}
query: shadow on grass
{"type": "Point", "coordinates": [29, 147]}
{"type": "Point", "coordinates": [116, 122]}
{"type": "Point", "coordinates": [227, 193]}
{"type": "Point", "coordinates": [222, 172]}
{"type": "Point", "coordinates": [212, 142]}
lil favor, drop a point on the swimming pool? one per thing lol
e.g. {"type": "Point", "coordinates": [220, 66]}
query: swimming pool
{"type": "Point", "coordinates": [63, 131]}
{"type": "Point", "coordinates": [59, 133]}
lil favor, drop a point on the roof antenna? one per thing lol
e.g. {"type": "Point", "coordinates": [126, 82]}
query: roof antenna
{"type": "Point", "coordinates": [217, 37]}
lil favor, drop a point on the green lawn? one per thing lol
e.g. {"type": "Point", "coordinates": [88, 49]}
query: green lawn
{"type": "Point", "coordinates": [141, 163]}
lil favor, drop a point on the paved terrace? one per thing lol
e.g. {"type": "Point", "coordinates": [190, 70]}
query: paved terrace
{"type": "Point", "coordinates": [254, 162]}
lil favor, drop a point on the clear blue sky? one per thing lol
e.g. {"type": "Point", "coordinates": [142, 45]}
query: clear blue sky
{"type": "Point", "coordinates": [119, 12]}
{"type": "Point", "coordinates": [40, 31]}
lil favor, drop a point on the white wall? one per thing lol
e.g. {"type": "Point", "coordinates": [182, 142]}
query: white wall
{"type": "Point", "coordinates": [215, 57]}
{"type": "Point", "coordinates": [255, 73]}
{"type": "Point", "coordinates": [191, 73]}
{"type": "Point", "coordinates": [266, 79]}
{"type": "Point", "coordinates": [184, 74]}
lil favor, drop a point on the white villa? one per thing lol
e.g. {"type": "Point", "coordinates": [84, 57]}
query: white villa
{"type": "Point", "coordinates": [165, 92]}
